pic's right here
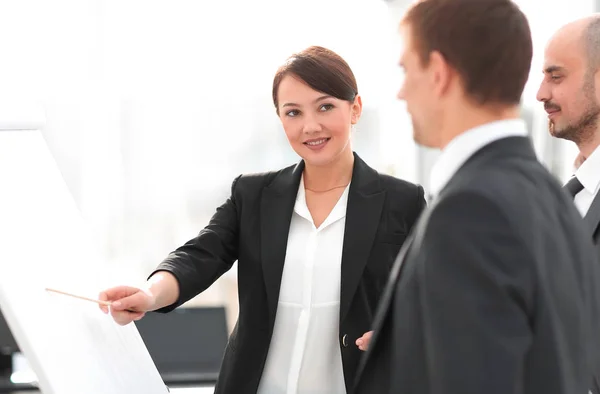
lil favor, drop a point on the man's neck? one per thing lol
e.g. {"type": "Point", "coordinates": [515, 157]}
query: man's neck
{"type": "Point", "coordinates": [586, 148]}
{"type": "Point", "coordinates": [470, 118]}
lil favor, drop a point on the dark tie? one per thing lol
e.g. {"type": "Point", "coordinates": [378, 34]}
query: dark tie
{"type": "Point", "coordinates": [573, 186]}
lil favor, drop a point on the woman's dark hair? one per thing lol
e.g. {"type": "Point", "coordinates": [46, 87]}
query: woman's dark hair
{"type": "Point", "coordinates": [321, 69]}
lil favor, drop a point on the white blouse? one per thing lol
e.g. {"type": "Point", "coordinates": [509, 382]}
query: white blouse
{"type": "Point", "coordinates": [304, 355]}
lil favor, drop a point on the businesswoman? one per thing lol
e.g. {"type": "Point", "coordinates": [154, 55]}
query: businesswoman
{"type": "Point", "coordinates": [314, 243]}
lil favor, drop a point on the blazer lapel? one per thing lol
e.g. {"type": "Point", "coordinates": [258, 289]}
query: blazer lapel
{"type": "Point", "coordinates": [391, 287]}
{"type": "Point", "coordinates": [384, 302]}
{"type": "Point", "coordinates": [592, 218]}
{"type": "Point", "coordinates": [276, 209]}
{"type": "Point", "coordinates": [365, 203]}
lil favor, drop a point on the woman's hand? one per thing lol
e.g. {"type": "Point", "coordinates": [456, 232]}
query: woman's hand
{"type": "Point", "coordinates": [363, 342]}
{"type": "Point", "coordinates": [127, 303]}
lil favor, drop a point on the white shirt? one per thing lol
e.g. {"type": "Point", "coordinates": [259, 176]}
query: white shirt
{"type": "Point", "coordinates": [589, 176]}
{"type": "Point", "coordinates": [304, 355]}
{"type": "Point", "coordinates": [465, 145]}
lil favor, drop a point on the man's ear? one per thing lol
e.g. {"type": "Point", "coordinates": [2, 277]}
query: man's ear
{"type": "Point", "coordinates": [597, 85]}
{"type": "Point", "coordinates": [441, 73]}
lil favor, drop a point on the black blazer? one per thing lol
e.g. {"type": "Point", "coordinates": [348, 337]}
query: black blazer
{"type": "Point", "coordinates": [252, 227]}
{"type": "Point", "coordinates": [497, 292]}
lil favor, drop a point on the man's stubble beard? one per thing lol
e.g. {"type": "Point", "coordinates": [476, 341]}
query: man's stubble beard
{"type": "Point", "coordinates": [585, 127]}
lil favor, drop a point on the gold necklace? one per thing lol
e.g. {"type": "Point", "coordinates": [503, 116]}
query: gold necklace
{"type": "Point", "coordinates": [324, 191]}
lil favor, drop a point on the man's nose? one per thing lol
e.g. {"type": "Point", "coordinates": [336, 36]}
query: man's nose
{"type": "Point", "coordinates": [400, 94]}
{"type": "Point", "coordinates": [543, 93]}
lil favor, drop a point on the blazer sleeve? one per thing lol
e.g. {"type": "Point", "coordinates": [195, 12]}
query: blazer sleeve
{"type": "Point", "coordinates": [201, 261]}
{"type": "Point", "coordinates": [475, 286]}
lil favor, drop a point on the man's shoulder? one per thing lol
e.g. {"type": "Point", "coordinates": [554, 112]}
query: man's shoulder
{"type": "Point", "coordinates": [508, 179]}
{"type": "Point", "coordinates": [522, 194]}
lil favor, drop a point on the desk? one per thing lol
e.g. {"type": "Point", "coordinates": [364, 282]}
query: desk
{"type": "Point", "coordinates": [193, 390]}
{"type": "Point", "coordinates": [173, 390]}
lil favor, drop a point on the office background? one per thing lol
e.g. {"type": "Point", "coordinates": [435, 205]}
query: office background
{"type": "Point", "coordinates": [153, 107]}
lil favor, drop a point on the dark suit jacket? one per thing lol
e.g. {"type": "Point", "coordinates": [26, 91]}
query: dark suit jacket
{"type": "Point", "coordinates": [496, 294]}
{"type": "Point", "coordinates": [592, 221]}
{"type": "Point", "coordinates": [252, 227]}
{"type": "Point", "coordinates": [592, 225]}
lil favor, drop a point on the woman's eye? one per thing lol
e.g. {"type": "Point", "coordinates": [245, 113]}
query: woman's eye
{"type": "Point", "coordinates": [292, 113]}
{"type": "Point", "coordinates": [326, 107]}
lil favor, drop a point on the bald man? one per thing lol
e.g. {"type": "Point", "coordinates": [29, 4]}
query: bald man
{"type": "Point", "coordinates": [570, 92]}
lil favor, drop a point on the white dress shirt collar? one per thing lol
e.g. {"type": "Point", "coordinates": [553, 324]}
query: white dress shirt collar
{"type": "Point", "coordinates": [338, 212]}
{"type": "Point", "coordinates": [463, 146]}
{"type": "Point", "coordinates": [589, 172]}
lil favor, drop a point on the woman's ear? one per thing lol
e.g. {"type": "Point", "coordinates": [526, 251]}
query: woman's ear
{"type": "Point", "coordinates": [356, 109]}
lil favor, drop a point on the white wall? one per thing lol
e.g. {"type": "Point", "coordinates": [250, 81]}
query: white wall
{"type": "Point", "coordinates": [152, 107]}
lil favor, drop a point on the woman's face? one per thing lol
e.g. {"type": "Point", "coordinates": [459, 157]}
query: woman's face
{"type": "Point", "coordinates": [317, 125]}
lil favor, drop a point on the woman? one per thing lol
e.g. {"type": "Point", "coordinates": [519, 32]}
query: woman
{"type": "Point", "coordinates": [314, 244]}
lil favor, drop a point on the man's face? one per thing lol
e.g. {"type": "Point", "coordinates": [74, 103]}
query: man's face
{"type": "Point", "coordinates": [417, 92]}
{"type": "Point", "coordinates": [569, 91]}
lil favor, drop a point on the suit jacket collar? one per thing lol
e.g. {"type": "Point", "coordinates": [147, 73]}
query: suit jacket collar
{"type": "Point", "coordinates": [589, 175]}
{"type": "Point", "coordinates": [504, 149]}
{"type": "Point", "coordinates": [365, 203]}
{"type": "Point", "coordinates": [592, 217]}
{"type": "Point", "coordinates": [510, 147]}
{"type": "Point", "coordinates": [464, 145]}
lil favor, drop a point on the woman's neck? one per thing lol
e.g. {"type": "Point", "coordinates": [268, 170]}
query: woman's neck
{"type": "Point", "coordinates": [336, 174]}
